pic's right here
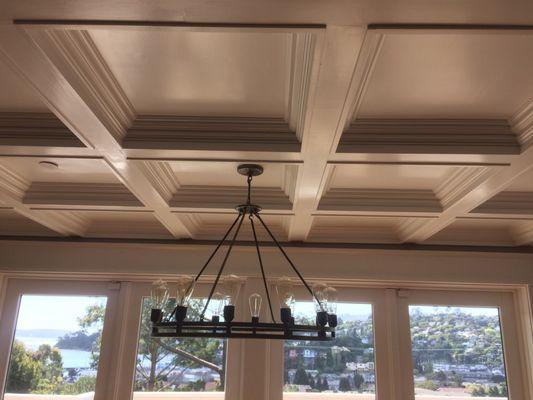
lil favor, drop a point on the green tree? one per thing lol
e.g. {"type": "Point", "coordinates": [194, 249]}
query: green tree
{"type": "Point", "coordinates": [301, 377]}
{"type": "Point", "coordinates": [344, 385]}
{"type": "Point", "coordinates": [358, 381]}
{"type": "Point", "coordinates": [179, 354]}
{"type": "Point", "coordinates": [24, 370]}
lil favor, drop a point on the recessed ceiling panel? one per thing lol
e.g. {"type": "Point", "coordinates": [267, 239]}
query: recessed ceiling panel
{"type": "Point", "coordinates": [481, 232]}
{"type": "Point", "coordinates": [16, 95]}
{"type": "Point", "coordinates": [60, 170]}
{"type": "Point", "coordinates": [450, 76]}
{"type": "Point", "coordinates": [212, 226]}
{"type": "Point", "coordinates": [12, 223]}
{"type": "Point", "coordinates": [199, 73]}
{"type": "Point", "coordinates": [372, 176]}
{"type": "Point", "coordinates": [344, 229]}
{"type": "Point", "coordinates": [225, 174]}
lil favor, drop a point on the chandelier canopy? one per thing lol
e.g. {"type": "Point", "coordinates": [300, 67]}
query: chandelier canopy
{"type": "Point", "coordinates": [224, 293]}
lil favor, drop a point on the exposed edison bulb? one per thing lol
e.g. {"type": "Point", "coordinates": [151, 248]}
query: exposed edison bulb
{"type": "Point", "coordinates": [284, 288]}
{"type": "Point", "coordinates": [217, 304]}
{"type": "Point", "coordinates": [320, 292]}
{"type": "Point", "coordinates": [332, 298]}
{"type": "Point", "coordinates": [231, 286]}
{"type": "Point", "coordinates": [255, 301]}
{"type": "Point", "coordinates": [159, 294]}
{"type": "Point", "coordinates": [184, 289]}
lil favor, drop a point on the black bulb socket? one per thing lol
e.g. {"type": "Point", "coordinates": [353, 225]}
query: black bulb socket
{"type": "Point", "coordinates": [156, 315]}
{"type": "Point", "coordinates": [285, 315]}
{"type": "Point", "coordinates": [180, 314]}
{"type": "Point", "coordinates": [321, 318]}
{"type": "Point", "coordinates": [332, 320]}
{"type": "Point", "coordinates": [229, 313]}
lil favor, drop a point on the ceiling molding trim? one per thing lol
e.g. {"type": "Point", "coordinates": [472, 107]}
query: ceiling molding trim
{"type": "Point", "coordinates": [35, 129]}
{"type": "Point", "coordinates": [522, 124]}
{"type": "Point", "coordinates": [523, 234]}
{"type": "Point", "coordinates": [161, 176]}
{"type": "Point", "coordinates": [290, 178]}
{"type": "Point", "coordinates": [77, 57]}
{"type": "Point", "coordinates": [361, 234]}
{"type": "Point", "coordinates": [13, 184]}
{"type": "Point", "coordinates": [409, 227]}
{"type": "Point", "coordinates": [211, 133]}
{"type": "Point", "coordinates": [507, 202]}
{"type": "Point", "coordinates": [366, 61]}
{"type": "Point", "coordinates": [227, 197]}
{"type": "Point", "coordinates": [460, 182]}
{"type": "Point", "coordinates": [389, 200]}
{"type": "Point", "coordinates": [429, 136]}
{"type": "Point", "coordinates": [72, 223]}
{"type": "Point", "coordinates": [87, 194]}
{"type": "Point", "coordinates": [302, 56]}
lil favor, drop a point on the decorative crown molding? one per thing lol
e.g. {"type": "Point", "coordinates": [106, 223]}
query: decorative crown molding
{"type": "Point", "coordinates": [507, 202]}
{"type": "Point", "coordinates": [74, 53]}
{"type": "Point", "coordinates": [227, 197]}
{"type": "Point", "coordinates": [211, 133]}
{"type": "Point", "coordinates": [12, 184]}
{"type": "Point", "coordinates": [429, 136]}
{"type": "Point", "coordinates": [522, 123]}
{"type": "Point", "coordinates": [393, 200]}
{"type": "Point", "coordinates": [161, 176]}
{"type": "Point", "coordinates": [16, 224]}
{"type": "Point", "coordinates": [302, 52]}
{"type": "Point", "coordinates": [72, 223]}
{"type": "Point", "coordinates": [35, 129]}
{"type": "Point", "coordinates": [86, 194]}
{"type": "Point", "coordinates": [460, 182]}
{"type": "Point", "coordinates": [203, 230]}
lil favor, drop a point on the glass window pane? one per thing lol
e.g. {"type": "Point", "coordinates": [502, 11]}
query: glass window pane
{"type": "Point", "coordinates": [178, 364]}
{"type": "Point", "coordinates": [332, 369]}
{"type": "Point", "coordinates": [457, 352]}
{"type": "Point", "coordinates": [56, 347]}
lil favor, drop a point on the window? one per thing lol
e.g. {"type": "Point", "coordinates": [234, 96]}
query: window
{"type": "Point", "coordinates": [457, 351]}
{"type": "Point", "coordinates": [56, 348]}
{"type": "Point", "coordinates": [178, 365]}
{"type": "Point", "coordinates": [344, 365]}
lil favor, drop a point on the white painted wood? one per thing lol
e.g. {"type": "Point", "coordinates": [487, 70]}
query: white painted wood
{"type": "Point", "coordinates": [429, 136]}
{"type": "Point", "coordinates": [211, 133]}
{"type": "Point", "coordinates": [35, 129]}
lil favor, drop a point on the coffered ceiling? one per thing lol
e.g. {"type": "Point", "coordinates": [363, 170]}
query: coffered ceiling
{"type": "Point", "coordinates": [367, 133]}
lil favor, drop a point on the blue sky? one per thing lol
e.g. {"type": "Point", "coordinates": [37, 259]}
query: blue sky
{"type": "Point", "coordinates": [53, 312]}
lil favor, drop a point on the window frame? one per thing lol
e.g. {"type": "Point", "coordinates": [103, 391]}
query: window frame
{"type": "Point", "coordinates": [130, 341]}
{"type": "Point", "coordinates": [503, 300]}
{"type": "Point", "coordinates": [16, 288]}
{"type": "Point", "coordinates": [253, 366]}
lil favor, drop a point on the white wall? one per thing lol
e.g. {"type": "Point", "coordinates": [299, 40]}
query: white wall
{"type": "Point", "coordinates": [137, 260]}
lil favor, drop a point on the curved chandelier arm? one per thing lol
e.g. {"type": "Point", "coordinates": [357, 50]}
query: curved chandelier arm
{"type": "Point", "coordinates": [262, 268]}
{"type": "Point", "coordinates": [288, 259]}
{"type": "Point", "coordinates": [222, 266]}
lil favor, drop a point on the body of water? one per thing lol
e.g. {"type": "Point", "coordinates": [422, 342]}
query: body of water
{"type": "Point", "coordinates": [71, 358]}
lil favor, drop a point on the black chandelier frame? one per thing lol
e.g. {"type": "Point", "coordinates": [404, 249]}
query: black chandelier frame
{"type": "Point", "coordinates": [175, 323]}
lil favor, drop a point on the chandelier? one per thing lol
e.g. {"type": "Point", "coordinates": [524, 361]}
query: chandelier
{"type": "Point", "coordinates": [224, 293]}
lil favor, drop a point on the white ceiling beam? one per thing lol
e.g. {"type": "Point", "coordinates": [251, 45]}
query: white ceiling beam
{"type": "Point", "coordinates": [12, 191]}
{"type": "Point", "coordinates": [333, 74]}
{"type": "Point", "coordinates": [480, 192]}
{"type": "Point", "coordinates": [79, 88]}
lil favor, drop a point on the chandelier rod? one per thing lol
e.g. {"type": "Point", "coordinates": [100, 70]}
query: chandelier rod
{"type": "Point", "coordinates": [220, 243]}
{"type": "Point", "coordinates": [289, 260]}
{"type": "Point", "coordinates": [228, 252]}
{"type": "Point", "coordinates": [251, 217]}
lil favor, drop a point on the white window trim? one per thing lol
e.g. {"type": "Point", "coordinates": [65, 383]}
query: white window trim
{"type": "Point", "coordinates": [14, 291]}
{"type": "Point", "coordinates": [255, 368]}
